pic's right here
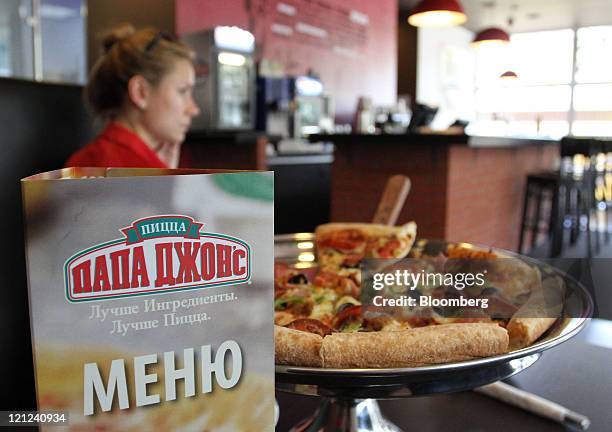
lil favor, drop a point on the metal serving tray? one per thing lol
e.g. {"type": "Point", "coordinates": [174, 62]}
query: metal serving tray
{"type": "Point", "coordinates": [348, 393]}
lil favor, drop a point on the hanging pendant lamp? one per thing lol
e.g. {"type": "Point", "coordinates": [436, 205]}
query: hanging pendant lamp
{"type": "Point", "coordinates": [491, 36]}
{"type": "Point", "coordinates": [437, 13]}
{"type": "Point", "coordinates": [509, 76]}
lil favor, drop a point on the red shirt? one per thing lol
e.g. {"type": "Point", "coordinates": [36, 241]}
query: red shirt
{"type": "Point", "coordinates": [116, 146]}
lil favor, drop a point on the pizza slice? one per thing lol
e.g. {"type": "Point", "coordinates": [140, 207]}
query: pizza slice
{"type": "Point", "coordinates": [541, 310]}
{"type": "Point", "coordinates": [344, 245]}
{"type": "Point", "coordinates": [519, 298]}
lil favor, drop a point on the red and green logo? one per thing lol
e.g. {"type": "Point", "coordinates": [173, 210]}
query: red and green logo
{"type": "Point", "coordinates": [157, 254]}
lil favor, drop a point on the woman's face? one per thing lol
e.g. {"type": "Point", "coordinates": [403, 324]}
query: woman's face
{"type": "Point", "coordinates": [170, 106]}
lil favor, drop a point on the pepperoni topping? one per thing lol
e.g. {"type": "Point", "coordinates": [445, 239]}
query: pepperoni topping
{"type": "Point", "coordinates": [352, 260]}
{"type": "Point", "coordinates": [287, 280]}
{"type": "Point", "coordinates": [326, 279]}
{"type": "Point", "coordinates": [342, 284]}
{"type": "Point", "coordinates": [387, 250]}
{"type": "Point", "coordinates": [419, 321]}
{"type": "Point", "coordinates": [348, 315]}
{"type": "Point", "coordinates": [311, 326]}
{"type": "Point", "coordinates": [377, 322]}
{"type": "Point", "coordinates": [281, 269]}
{"type": "Point", "coordinates": [347, 239]}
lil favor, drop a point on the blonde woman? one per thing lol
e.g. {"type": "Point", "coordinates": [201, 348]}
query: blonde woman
{"type": "Point", "coordinates": [142, 86]}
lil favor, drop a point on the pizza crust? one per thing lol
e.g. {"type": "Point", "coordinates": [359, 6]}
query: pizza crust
{"type": "Point", "coordinates": [524, 331]}
{"type": "Point", "coordinates": [538, 314]}
{"type": "Point", "coordinates": [406, 348]}
{"type": "Point", "coordinates": [414, 347]}
{"type": "Point", "coordinates": [295, 347]}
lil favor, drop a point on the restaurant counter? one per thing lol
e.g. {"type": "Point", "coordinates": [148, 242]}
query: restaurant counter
{"type": "Point", "coordinates": [301, 178]}
{"type": "Point", "coordinates": [436, 139]}
{"type": "Point", "coordinates": [576, 374]}
{"type": "Point", "coordinates": [302, 192]}
{"type": "Point", "coordinates": [463, 188]}
{"type": "Point", "coordinates": [244, 150]}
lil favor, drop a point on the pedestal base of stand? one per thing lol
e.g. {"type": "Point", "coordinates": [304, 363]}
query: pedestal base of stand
{"type": "Point", "coordinates": [346, 415]}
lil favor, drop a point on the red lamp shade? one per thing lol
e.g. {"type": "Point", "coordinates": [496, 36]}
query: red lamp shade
{"type": "Point", "coordinates": [509, 75]}
{"type": "Point", "coordinates": [437, 13]}
{"type": "Point", "coordinates": [491, 34]}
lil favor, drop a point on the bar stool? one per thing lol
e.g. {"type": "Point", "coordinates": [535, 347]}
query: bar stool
{"type": "Point", "coordinates": [576, 204]}
{"type": "Point", "coordinates": [577, 186]}
{"type": "Point", "coordinates": [603, 187]}
{"type": "Point", "coordinates": [540, 212]}
{"type": "Point", "coordinates": [571, 198]}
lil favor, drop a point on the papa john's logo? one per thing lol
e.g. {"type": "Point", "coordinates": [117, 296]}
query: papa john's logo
{"type": "Point", "coordinates": [157, 254]}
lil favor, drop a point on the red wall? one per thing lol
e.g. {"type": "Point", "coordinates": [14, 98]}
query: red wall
{"type": "Point", "coordinates": [485, 191]}
{"type": "Point", "coordinates": [457, 193]}
{"type": "Point", "coordinates": [356, 57]}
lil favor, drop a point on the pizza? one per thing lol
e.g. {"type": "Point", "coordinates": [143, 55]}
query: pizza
{"type": "Point", "coordinates": [344, 245]}
{"type": "Point", "coordinates": [320, 320]}
{"type": "Point", "coordinates": [325, 327]}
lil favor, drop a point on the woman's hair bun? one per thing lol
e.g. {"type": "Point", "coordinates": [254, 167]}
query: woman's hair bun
{"type": "Point", "coordinates": [116, 34]}
{"type": "Point", "coordinates": [126, 55]}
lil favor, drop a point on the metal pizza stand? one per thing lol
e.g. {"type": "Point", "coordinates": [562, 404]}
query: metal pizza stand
{"type": "Point", "coordinates": [348, 396]}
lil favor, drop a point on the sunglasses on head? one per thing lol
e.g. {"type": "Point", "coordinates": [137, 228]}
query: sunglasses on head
{"type": "Point", "coordinates": [158, 37]}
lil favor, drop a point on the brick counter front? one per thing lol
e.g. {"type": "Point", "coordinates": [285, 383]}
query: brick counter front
{"type": "Point", "coordinates": [458, 193]}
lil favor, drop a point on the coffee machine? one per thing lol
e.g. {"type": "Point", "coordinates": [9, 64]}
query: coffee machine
{"type": "Point", "coordinates": [313, 108]}
{"type": "Point", "coordinates": [225, 78]}
{"type": "Point", "coordinates": [293, 107]}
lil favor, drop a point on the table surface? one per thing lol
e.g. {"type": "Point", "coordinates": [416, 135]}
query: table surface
{"type": "Point", "coordinates": [576, 374]}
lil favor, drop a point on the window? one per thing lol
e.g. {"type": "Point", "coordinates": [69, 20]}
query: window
{"type": "Point", "coordinates": [593, 89]}
{"type": "Point", "coordinates": [593, 59]}
{"type": "Point", "coordinates": [539, 102]}
{"type": "Point", "coordinates": [43, 39]}
{"type": "Point", "coordinates": [551, 96]}
{"type": "Point", "coordinates": [16, 39]}
{"type": "Point", "coordinates": [543, 58]}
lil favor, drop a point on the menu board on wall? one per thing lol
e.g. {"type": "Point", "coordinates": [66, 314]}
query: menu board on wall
{"type": "Point", "coordinates": [351, 45]}
{"type": "Point", "coordinates": [328, 26]}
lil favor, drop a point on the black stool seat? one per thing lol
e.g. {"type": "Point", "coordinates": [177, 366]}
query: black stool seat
{"type": "Point", "coordinates": [540, 215]}
{"type": "Point", "coordinates": [558, 201]}
{"type": "Point", "coordinates": [554, 202]}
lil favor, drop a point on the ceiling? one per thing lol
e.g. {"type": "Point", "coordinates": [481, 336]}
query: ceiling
{"type": "Point", "coordinates": [531, 15]}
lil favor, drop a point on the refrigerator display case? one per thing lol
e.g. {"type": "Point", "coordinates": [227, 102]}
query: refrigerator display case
{"type": "Point", "coordinates": [225, 78]}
